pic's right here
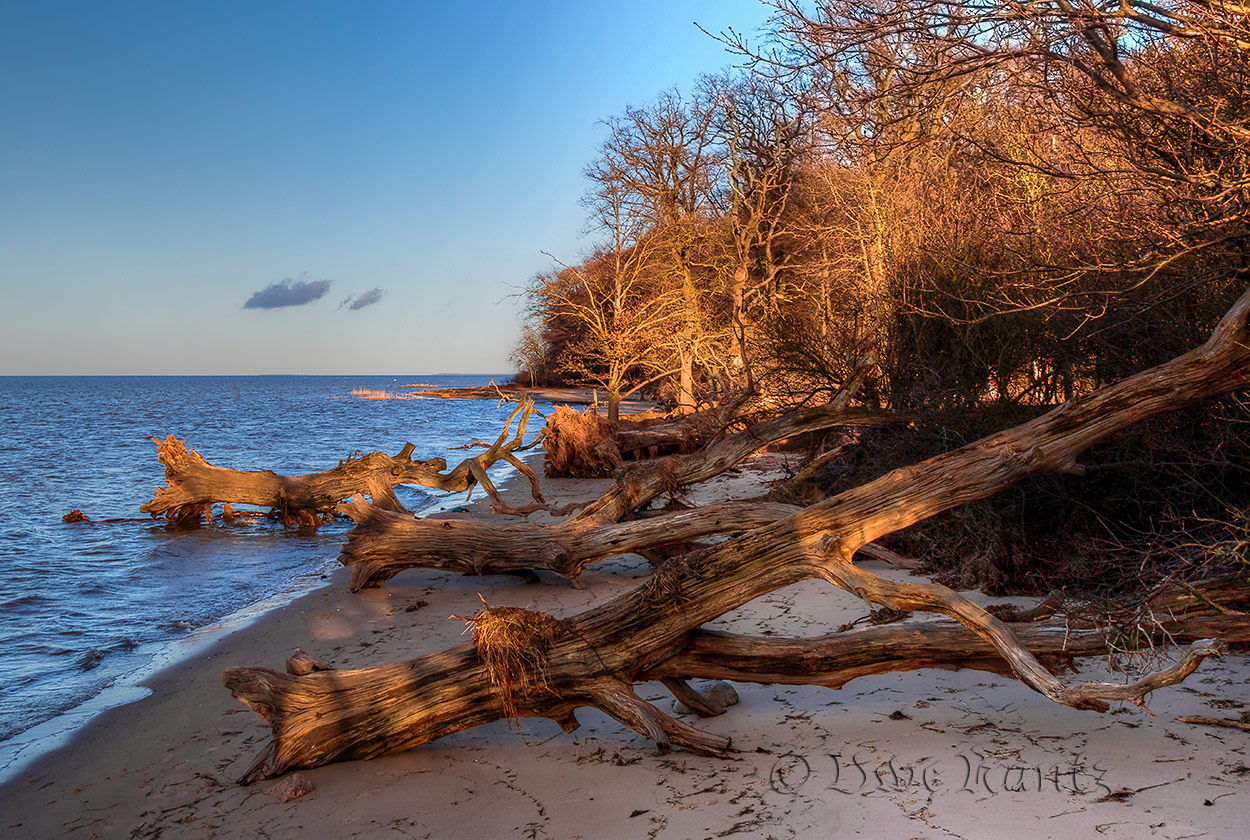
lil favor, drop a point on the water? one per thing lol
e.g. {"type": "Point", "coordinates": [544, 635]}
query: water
{"type": "Point", "coordinates": [83, 605]}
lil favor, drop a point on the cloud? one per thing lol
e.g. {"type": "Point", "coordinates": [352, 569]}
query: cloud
{"type": "Point", "coordinates": [367, 299]}
{"type": "Point", "coordinates": [288, 293]}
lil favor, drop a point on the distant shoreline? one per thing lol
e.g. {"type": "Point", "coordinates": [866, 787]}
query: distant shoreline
{"type": "Point", "coordinates": [563, 396]}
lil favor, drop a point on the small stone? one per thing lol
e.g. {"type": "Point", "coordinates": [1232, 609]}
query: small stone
{"type": "Point", "coordinates": [292, 787]}
{"type": "Point", "coordinates": [718, 691]}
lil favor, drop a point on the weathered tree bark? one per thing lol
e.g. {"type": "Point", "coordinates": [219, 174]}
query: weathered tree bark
{"type": "Point", "coordinates": [584, 444]}
{"type": "Point", "coordinates": [836, 659]}
{"type": "Point", "coordinates": [666, 436]}
{"type": "Point", "coordinates": [387, 539]}
{"type": "Point", "coordinates": [196, 485]}
{"type": "Point", "coordinates": [530, 664]}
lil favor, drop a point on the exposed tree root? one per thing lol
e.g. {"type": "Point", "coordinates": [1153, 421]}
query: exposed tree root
{"type": "Point", "coordinates": [579, 444]}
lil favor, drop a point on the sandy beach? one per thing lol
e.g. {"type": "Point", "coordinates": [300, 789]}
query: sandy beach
{"type": "Point", "coordinates": [932, 754]}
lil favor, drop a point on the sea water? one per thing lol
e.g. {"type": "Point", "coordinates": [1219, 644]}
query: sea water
{"type": "Point", "coordinates": [84, 605]}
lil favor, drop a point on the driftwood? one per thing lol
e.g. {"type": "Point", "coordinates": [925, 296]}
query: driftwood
{"type": "Point", "coordinates": [649, 437]}
{"type": "Point", "coordinates": [194, 485]}
{"type": "Point", "coordinates": [547, 667]}
{"type": "Point", "coordinates": [584, 444]}
{"type": "Point", "coordinates": [1210, 721]}
{"type": "Point", "coordinates": [836, 659]}
{"type": "Point", "coordinates": [387, 539]}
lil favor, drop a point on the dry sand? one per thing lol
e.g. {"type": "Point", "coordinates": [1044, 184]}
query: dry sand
{"type": "Point", "coordinates": [932, 754]}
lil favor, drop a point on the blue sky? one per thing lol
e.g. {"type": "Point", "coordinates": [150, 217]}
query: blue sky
{"type": "Point", "coordinates": [162, 162]}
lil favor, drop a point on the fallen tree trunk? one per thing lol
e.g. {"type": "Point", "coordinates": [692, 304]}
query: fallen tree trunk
{"type": "Point", "coordinates": [684, 433]}
{"type": "Point", "coordinates": [387, 539]}
{"type": "Point", "coordinates": [639, 485]}
{"type": "Point", "coordinates": [522, 663]}
{"type": "Point", "coordinates": [835, 660]}
{"type": "Point", "coordinates": [194, 485]}
{"type": "Point", "coordinates": [584, 444]}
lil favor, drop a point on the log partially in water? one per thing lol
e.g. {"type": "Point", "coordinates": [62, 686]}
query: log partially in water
{"type": "Point", "coordinates": [194, 485]}
{"type": "Point", "coordinates": [531, 664]}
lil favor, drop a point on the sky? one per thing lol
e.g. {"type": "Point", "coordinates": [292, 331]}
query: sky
{"type": "Point", "coordinates": [307, 187]}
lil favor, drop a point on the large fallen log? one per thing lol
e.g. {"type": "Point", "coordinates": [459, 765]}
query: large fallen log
{"type": "Point", "coordinates": [194, 485]}
{"type": "Point", "coordinates": [387, 539]}
{"type": "Point", "coordinates": [1183, 615]}
{"type": "Point", "coordinates": [585, 444]}
{"type": "Point", "coordinates": [640, 438]}
{"type": "Point", "coordinates": [523, 663]}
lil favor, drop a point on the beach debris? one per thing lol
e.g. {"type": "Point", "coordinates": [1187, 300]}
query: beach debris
{"type": "Point", "coordinates": [77, 515]}
{"type": "Point", "coordinates": [1231, 723]}
{"type": "Point", "coordinates": [579, 444]}
{"type": "Point", "coordinates": [292, 787]}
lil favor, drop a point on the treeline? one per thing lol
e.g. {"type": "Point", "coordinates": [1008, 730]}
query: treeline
{"type": "Point", "coordinates": [1001, 205]}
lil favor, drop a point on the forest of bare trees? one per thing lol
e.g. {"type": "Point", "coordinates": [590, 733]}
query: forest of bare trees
{"type": "Point", "coordinates": [1002, 205]}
